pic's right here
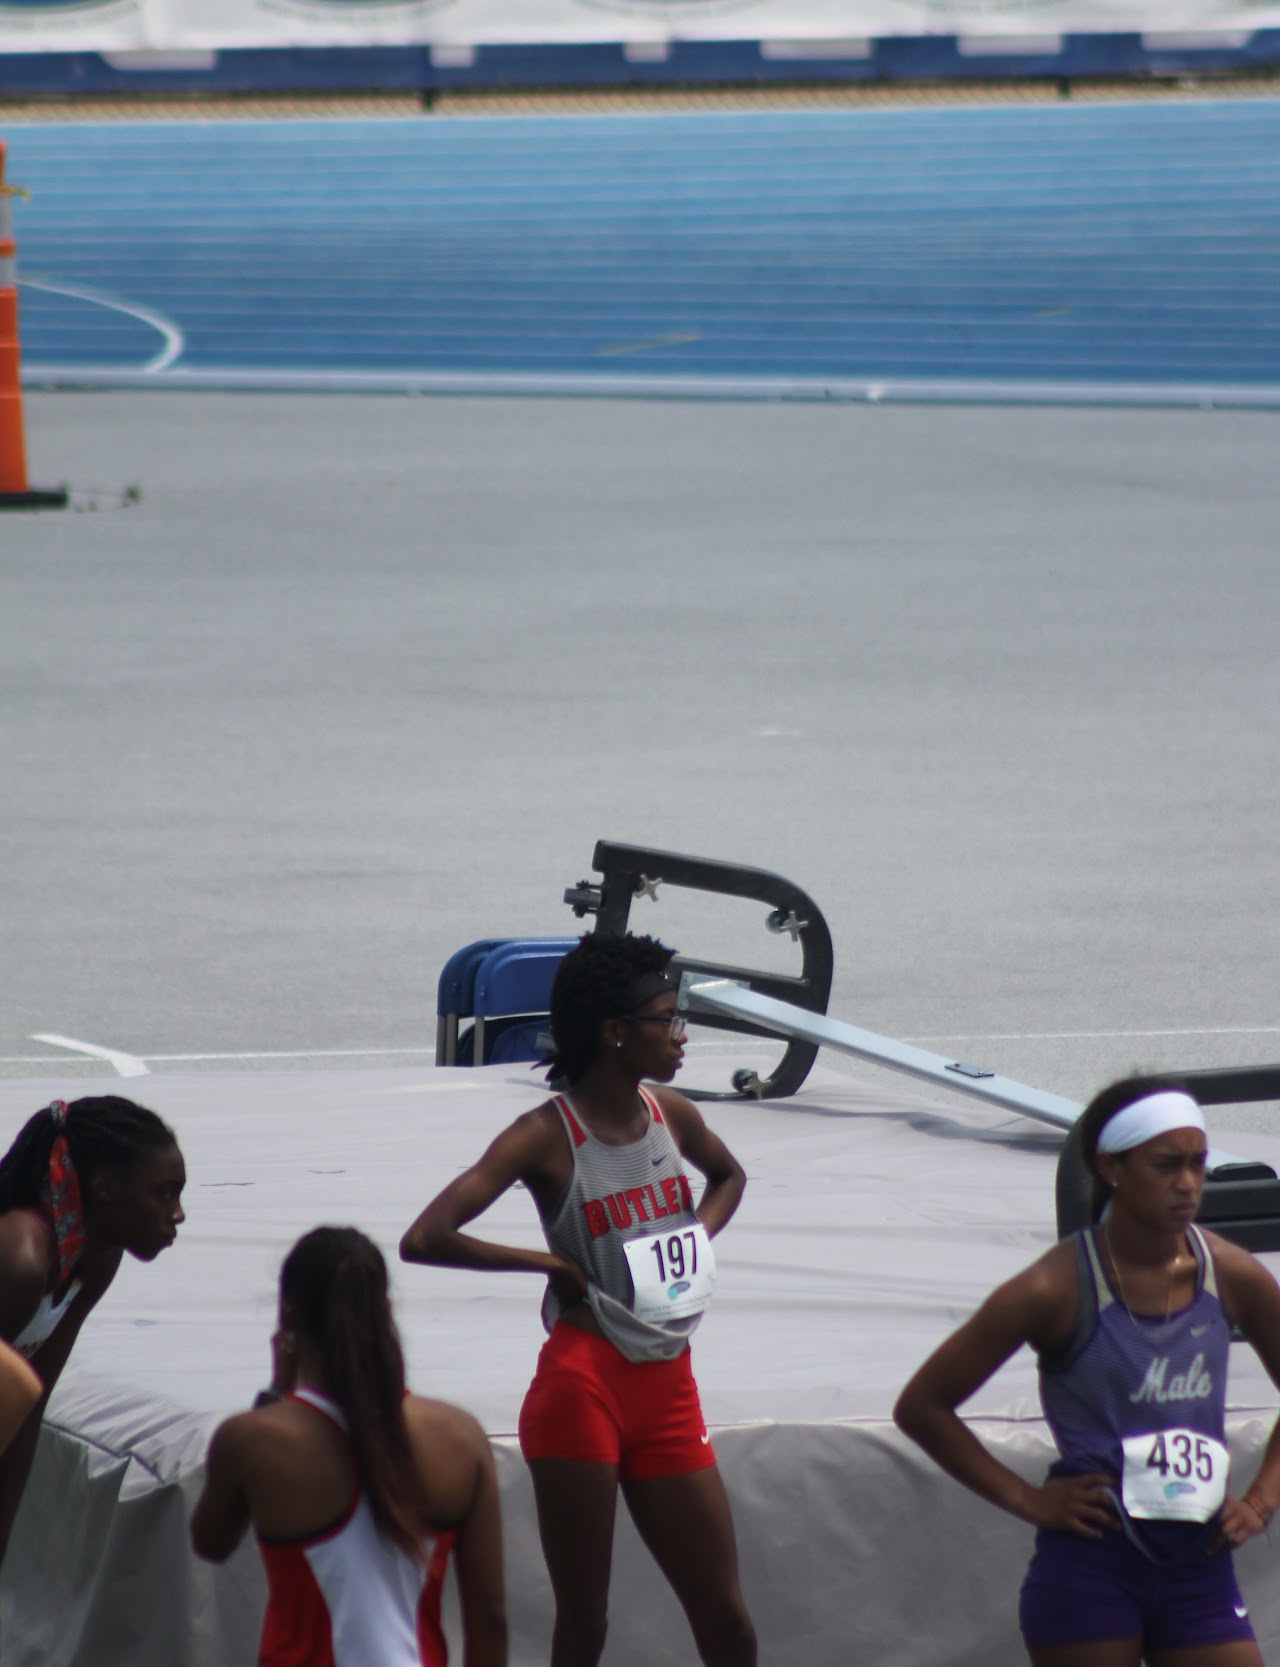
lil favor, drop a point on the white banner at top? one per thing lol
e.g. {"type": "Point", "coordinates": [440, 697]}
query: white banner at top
{"type": "Point", "coordinates": [797, 28]}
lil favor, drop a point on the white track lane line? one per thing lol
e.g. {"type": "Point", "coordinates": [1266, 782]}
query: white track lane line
{"type": "Point", "coordinates": [129, 1065]}
{"type": "Point", "coordinates": [174, 341]}
{"type": "Point", "coordinates": [124, 1064]}
{"type": "Point", "coordinates": [1097, 1035]}
{"type": "Point", "coordinates": [295, 1053]}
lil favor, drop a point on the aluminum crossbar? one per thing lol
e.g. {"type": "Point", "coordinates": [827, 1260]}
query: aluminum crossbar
{"type": "Point", "coordinates": [724, 996]}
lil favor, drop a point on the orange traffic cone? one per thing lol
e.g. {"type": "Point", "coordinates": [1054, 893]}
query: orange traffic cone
{"type": "Point", "coordinates": [14, 491]}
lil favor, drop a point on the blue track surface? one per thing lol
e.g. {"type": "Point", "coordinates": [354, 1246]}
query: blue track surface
{"type": "Point", "coordinates": [1127, 244]}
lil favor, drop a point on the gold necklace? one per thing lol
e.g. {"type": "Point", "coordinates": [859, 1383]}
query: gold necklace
{"type": "Point", "coordinates": [1154, 1331]}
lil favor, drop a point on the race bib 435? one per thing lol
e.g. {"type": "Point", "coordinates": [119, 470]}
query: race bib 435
{"type": "Point", "coordinates": [1174, 1476]}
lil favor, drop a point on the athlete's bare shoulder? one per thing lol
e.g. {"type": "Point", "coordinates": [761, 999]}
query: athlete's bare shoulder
{"type": "Point", "coordinates": [1057, 1269]}
{"type": "Point", "coordinates": [1041, 1301]}
{"type": "Point", "coordinates": [454, 1458]}
{"type": "Point", "coordinates": [525, 1147]}
{"type": "Point", "coordinates": [1246, 1284]}
{"type": "Point", "coordinates": [1230, 1258]}
{"type": "Point", "coordinates": [234, 1439]}
{"type": "Point", "coordinates": [536, 1146]}
{"type": "Point", "coordinates": [25, 1244]}
{"type": "Point", "coordinates": [673, 1101]}
{"type": "Point", "coordinates": [442, 1421]}
{"type": "Point", "coordinates": [544, 1117]}
{"type": "Point", "coordinates": [24, 1268]}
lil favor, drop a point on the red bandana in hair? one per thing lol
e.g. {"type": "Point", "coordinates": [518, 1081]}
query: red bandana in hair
{"type": "Point", "coordinates": [61, 1196]}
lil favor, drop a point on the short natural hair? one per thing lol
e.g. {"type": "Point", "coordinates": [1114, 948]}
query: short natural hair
{"type": "Point", "coordinates": [592, 984]}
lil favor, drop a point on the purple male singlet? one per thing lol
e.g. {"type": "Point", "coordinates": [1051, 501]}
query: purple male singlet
{"type": "Point", "coordinates": [1144, 1399]}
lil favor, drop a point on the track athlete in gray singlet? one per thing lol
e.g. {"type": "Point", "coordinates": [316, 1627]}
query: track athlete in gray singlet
{"type": "Point", "coordinates": [1131, 1320]}
{"type": "Point", "coordinates": [629, 1269]}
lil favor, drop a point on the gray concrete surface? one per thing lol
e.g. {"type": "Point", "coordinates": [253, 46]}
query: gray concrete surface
{"type": "Point", "coordinates": [359, 680]}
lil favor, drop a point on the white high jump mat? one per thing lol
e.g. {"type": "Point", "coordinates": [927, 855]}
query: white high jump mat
{"type": "Point", "coordinates": [876, 1217]}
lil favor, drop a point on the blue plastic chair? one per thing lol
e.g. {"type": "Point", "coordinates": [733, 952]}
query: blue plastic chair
{"type": "Point", "coordinates": [496, 980]}
{"type": "Point", "coordinates": [515, 978]}
{"type": "Point", "coordinates": [455, 995]}
{"type": "Point", "coordinates": [512, 1041]}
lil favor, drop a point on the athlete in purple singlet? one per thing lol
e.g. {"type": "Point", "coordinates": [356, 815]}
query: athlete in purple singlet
{"type": "Point", "coordinates": [1131, 1320]}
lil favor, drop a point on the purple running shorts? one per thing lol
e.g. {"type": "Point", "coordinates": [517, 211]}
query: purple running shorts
{"type": "Point", "coordinates": [1080, 1591]}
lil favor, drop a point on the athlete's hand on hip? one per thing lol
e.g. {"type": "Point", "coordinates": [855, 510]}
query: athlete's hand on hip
{"type": "Point", "coordinates": [1238, 1521]}
{"type": "Point", "coordinates": [1078, 1504]}
{"type": "Point", "coordinates": [568, 1281]}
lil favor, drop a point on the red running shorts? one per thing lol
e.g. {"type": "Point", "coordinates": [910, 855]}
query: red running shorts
{"type": "Point", "coordinates": [587, 1401]}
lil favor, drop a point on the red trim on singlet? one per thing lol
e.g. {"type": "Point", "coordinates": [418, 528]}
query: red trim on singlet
{"type": "Point", "coordinates": [431, 1639]}
{"type": "Point", "coordinates": [579, 1134]}
{"type": "Point", "coordinates": [576, 1130]}
{"type": "Point", "coordinates": [299, 1625]}
{"type": "Point", "coordinates": [651, 1100]}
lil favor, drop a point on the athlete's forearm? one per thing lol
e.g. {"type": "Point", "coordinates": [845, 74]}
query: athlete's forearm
{"type": "Point", "coordinates": [720, 1198]}
{"type": "Point", "coordinates": [20, 1392]}
{"type": "Point", "coordinates": [953, 1447]}
{"type": "Point", "coordinates": [448, 1248]}
{"type": "Point", "coordinates": [480, 1573]}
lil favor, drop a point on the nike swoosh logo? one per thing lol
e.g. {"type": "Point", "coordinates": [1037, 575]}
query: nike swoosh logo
{"type": "Point", "coordinates": [1241, 1612]}
{"type": "Point", "coordinates": [1199, 1330]}
{"type": "Point", "coordinates": [656, 1161]}
{"type": "Point", "coordinates": [705, 1439]}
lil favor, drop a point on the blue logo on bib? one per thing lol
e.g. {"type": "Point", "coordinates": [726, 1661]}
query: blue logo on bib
{"type": "Point", "coordinates": [677, 1290]}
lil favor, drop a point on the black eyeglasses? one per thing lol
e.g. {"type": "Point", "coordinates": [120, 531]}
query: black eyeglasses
{"type": "Point", "coordinates": [676, 1023]}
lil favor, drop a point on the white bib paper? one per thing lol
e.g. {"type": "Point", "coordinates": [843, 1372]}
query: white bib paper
{"type": "Point", "coordinates": [673, 1273]}
{"type": "Point", "coordinates": [1174, 1476]}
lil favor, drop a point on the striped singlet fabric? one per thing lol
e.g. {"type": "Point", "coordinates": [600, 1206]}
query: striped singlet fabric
{"type": "Point", "coordinates": [1119, 1377]}
{"type": "Point", "coordinates": [349, 1596]}
{"type": "Point", "coordinates": [617, 1193]}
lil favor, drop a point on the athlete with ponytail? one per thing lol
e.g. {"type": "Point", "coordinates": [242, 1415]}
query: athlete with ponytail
{"type": "Point", "coordinates": [1131, 1320]}
{"type": "Point", "coordinates": [628, 1268]}
{"type": "Point", "coordinates": [357, 1491]}
{"type": "Point", "coordinates": [82, 1184]}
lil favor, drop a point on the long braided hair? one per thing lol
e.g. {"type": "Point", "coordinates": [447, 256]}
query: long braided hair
{"type": "Point", "coordinates": [335, 1282]}
{"type": "Point", "coordinates": [62, 1147]}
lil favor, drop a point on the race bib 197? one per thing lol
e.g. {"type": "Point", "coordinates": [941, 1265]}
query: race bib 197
{"type": "Point", "coordinates": [673, 1273]}
{"type": "Point", "coordinates": [1174, 1476]}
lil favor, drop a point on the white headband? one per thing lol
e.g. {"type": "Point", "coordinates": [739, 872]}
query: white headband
{"type": "Point", "coordinates": [1146, 1118]}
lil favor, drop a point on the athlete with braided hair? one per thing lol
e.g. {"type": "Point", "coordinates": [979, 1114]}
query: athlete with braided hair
{"type": "Point", "coordinates": [629, 1270]}
{"type": "Point", "coordinates": [357, 1491]}
{"type": "Point", "coordinates": [80, 1185]}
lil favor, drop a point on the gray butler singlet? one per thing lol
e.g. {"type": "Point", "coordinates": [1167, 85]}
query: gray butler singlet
{"type": "Point", "coordinates": [616, 1193]}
